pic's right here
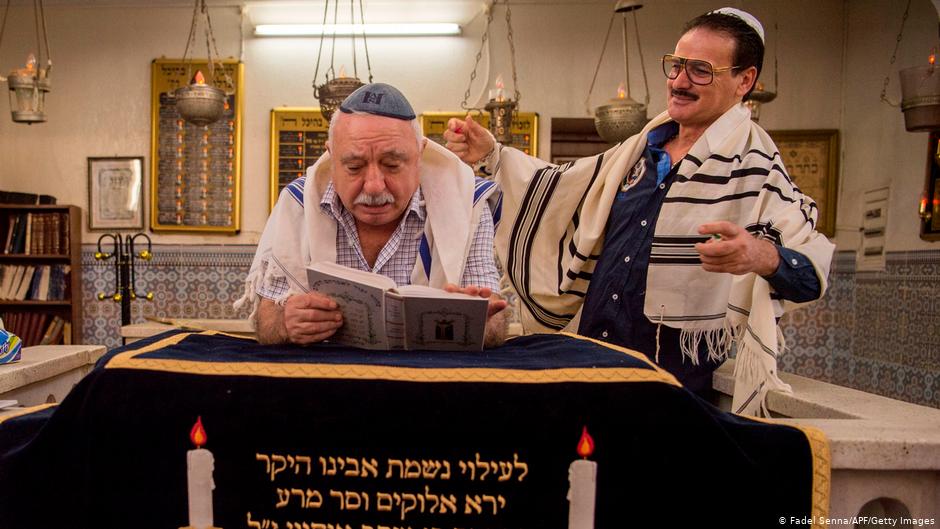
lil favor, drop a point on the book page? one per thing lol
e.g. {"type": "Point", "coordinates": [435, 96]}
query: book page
{"type": "Point", "coordinates": [422, 291]}
{"type": "Point", "coordinates": [362, 305]}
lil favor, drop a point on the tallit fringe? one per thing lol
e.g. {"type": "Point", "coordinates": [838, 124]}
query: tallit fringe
{"type": "Point", "coordinates": [752, 376]}
{"type": "Point", "coordinates": [250, 296]}
{"type": "Point", "coordinates": [718, 342]}
{"type": "Point", "coordinates": [253, 282]}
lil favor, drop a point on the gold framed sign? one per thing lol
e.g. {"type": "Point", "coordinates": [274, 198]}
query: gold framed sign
{"type": "Point", "coordinates": [525, 128]}
{"type": "Point", "coordinates": [298, 139]}
{"type": "Point", "coordinates": [195, 176]}
{"type": "Point", "coordinates": [811, 158]}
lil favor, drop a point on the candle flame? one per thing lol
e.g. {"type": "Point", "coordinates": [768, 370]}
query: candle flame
{"type": "Point", "coordinates": [342, 71]}
{"type": "Point", "coordinates": [932, 59]}
{"type": "Point", "coordinates": [585, 444]}
{"type": "Point", "coordinates": [198, 434]}
{"type": "Point", "coordinates": [199, 78]}
{"type": "Point", "coordinates": [621, 91]}
{"type": "Point", "coordinates": [499, 81]}
{"type": "Point", "coordinates": [30, 64]}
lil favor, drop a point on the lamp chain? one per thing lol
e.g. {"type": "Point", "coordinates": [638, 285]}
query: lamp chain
{"type": "Point", "coordinates": [3, 25]}
{"type": "Point", "coordinates": [365, 43]}
{"type": "Point", "coordinates": [316, 70]}
{"type": "Point", "coordinates": [473, 74]}
{"type": "Point", "coordinates": [639, 48]}
{"type": "Point", "coordinates": [587, 100]}
{"type": "Point", "coordinates": [512, 51]}
{"type": "Point", "coordinates": [894, 56]}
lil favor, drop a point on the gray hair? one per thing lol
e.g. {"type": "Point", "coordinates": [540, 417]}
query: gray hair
{"type": "Point", "coordinates": [414, 125]}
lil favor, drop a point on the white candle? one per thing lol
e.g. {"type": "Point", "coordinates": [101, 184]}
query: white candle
{"type": "Point", "coordinates": [199, 466]}
{"type": "Point", "coordinates": [582, 486]}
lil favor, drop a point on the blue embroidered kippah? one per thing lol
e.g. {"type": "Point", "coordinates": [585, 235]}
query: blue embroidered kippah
{"type": "Point", "coordinates": [379, 99]}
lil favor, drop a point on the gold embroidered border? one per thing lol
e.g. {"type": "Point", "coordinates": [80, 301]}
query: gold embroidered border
{"type": "Point", "coordinates": [130, 360]}
{"type": "Point", "coordinates": [27, 411]}
{"type": "Point", "coordinates": [822, 466]}
{"type": "Point", "coordinates": [822, 471]}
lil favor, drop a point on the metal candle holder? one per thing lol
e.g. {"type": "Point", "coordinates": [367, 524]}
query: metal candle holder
{"type": "Point", "coordinates": [501, 113]}
{"type": "Point", "coordinates": [125, 276]}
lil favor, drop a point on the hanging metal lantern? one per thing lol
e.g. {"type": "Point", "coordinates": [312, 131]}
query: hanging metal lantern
{"type": "Point", "coordinates": [201, 103]}
{"type": "Point", "coordinates": [622, 116]}
{"type": "Point", "coordinates": [29, 85]}
{"type": "Point", "coordinates": [758, 97]}
{"type": "Point", "coordinates": [336, 88]}
{"type": "Point", "coordinates": [920, 97]}
{"type": "Point", "coordinates": [500, 108]}
{"type": "Point", "coordinates": [333, 92]}
{"type": "Point", "coordinates": [28, 96]}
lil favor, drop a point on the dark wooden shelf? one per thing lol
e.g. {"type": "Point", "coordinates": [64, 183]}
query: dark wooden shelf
{"type": "Point", "coordinates": [71, 220]}
{"type": "Point", "coordinates": [34, 257]}
{"type": "Point", "coordinates": [34, 303]}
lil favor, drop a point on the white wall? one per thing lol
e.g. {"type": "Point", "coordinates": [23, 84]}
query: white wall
{"type": "Point", "coordinates": [877, 151]}
{"type": "Point", "coordinates": [100, 104]}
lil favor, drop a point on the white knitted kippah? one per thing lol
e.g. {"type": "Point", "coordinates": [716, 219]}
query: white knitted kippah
{"type": "Point", "coordinates": [748, 18]}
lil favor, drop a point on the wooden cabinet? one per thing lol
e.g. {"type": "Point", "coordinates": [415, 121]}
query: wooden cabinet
{"type": "Point", "coordinates": [40, 272]}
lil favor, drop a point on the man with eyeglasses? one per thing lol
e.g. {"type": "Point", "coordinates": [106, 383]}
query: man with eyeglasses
{"type": "Point", "coordinates": [683, 242]}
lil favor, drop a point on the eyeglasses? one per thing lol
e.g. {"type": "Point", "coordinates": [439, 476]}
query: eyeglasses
{"type": "Point", "coordinates": [698, 71]}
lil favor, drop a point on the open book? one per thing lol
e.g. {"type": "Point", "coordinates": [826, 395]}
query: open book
{"type": "Point", "coordinates": [379, 314]}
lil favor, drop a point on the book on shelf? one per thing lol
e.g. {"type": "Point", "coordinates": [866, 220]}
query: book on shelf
{"type": "Point", "coordinates": [34, 282]}
{"type": "Point", "coordinates": [379, 314]}
{"type": "Point", "coordinates": [37, 233]}
{"type": "Point", "coordinates": [35, 328]}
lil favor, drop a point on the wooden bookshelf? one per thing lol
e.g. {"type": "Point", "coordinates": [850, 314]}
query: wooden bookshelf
{"type": "Point", "coordinates": [65, 250]}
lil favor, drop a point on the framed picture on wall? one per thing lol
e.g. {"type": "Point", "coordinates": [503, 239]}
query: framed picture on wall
{"type": "Point", "coordinates": [812, 161]}
{"type": "Point", "coordinates": [115, 193]}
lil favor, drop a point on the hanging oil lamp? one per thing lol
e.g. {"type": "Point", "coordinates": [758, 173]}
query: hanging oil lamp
{"type": "Point", "coordinates": [500, 108]}
{"type": "Point", "coordinates": [199, 102]}
{"type": "Point", "coordinates": [336, 88]}
{"type": "Point", "coordinates": [622, 117]}
{"type": "Point", "coordinates": [30, 85]}
{"type": "Point", "coordinates": [28, 89]}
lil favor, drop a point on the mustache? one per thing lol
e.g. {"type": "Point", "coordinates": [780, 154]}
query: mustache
{"type": "Point", "coordinates": [377, 199]}
{"type": "Point", "coordinates": [684, 93]}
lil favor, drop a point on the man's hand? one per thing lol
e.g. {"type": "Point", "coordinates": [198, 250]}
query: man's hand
{"type": "Point", "coordinates": [468, 140]}
{"type": "Point", "coordinates": [496, 303]}
{"type": "Point", "coordinates": [496, 324]}
{"type": "Point", "coordinates": [736, 251]}
{"type": "Point", "coordinates": [311, 318]}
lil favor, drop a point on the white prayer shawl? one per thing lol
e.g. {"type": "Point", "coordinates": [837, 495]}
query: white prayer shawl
{"type": "Point", "coordinates": [554, 233]}
{"type": "Point", "coordinates": [298, 233]}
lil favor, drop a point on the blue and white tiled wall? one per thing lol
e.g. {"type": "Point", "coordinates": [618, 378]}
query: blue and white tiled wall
{"type": "Point", "coordinates": [187, 282]}
{"type": "Point", "coordinates": [875, 331]}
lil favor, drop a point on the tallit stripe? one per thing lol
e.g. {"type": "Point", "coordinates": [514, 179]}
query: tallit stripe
{"type": "Point", "coordinates": [678, 239]}
{"type": "Point", "coordinates": [675, 261]}
{"type": "Point", "coordinates": [726, 198]}
{"type": "Point", "coordinates": [296, 190]}
{"type": "Point", "coordinates": [521, 240]}
{"type": "Point", "coordinates": [721, 179]}
{"type": "Point", "coordinates": [738, 157]}
{"type": "Point", "coordinates": [693, 318]}
{"type": "Point", "coordinates": [424, 251]}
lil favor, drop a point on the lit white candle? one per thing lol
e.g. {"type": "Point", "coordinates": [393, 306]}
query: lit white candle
{"type": "Point", "coordinates": [582, 485]}
{"type": "Point", "coordinates": [199, 465]}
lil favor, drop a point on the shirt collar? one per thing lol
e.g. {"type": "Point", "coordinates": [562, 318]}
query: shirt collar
{"type": "Point", "coordinates": [661, 134]}
{"type": "Point", "coordinates": [331, 204]}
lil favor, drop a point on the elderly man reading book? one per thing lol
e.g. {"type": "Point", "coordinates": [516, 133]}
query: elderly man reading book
{"type": "Point", "coordinates": [384, 200]}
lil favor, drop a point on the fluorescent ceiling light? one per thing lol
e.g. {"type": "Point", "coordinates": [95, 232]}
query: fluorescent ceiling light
{"type": "Point", "coordinates": [348, 30]}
